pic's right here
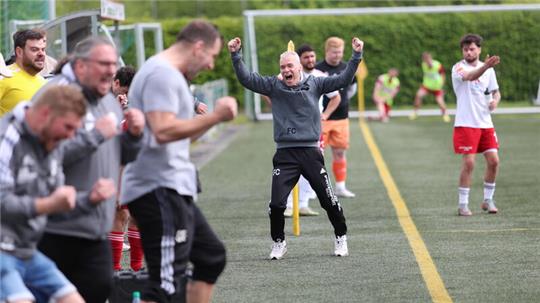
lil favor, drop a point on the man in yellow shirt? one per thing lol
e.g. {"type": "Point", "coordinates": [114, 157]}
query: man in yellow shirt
{"type": "Point", "coordinates": [29, 61]}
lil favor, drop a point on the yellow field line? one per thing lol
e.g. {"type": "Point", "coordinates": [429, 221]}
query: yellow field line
{"type": "Point", "coordinates": [433, 280]}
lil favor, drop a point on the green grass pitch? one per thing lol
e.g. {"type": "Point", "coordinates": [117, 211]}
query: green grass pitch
{"type": "Point", "coordinates": [484, 258]}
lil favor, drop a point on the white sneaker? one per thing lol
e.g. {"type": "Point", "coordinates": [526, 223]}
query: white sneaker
{"type": "Point", "coordinates": [279, 249]}
{"type": "Point", "coordinates": [340, 246]}
{"type": "Point", "coordinates": [489, 206]}
{"type": "Point", "coordinates": [344, 193]}
{"type": "Point", "coordinates": [287, 213]}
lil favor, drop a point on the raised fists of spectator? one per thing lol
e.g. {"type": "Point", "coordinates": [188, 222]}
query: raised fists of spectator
{"type": "Point", "coordinates": [234, 45]}
{"type": "Point", "coordinates": [135, 121]}
{"type": "Point", "coordinates": [61, 200]}
{"type": "Point", "coordinates": [123, 100]}
{"type": "Point", "coordinates": [201, 108]}
{"type": "Point", "coordinates": [357, 44]}
{"type": "Point", "coordinates": [226, 108]}
{"type": "Point", "coordinates": [102, 190]}
{"type": "Point", "coordinates": [107, 126]}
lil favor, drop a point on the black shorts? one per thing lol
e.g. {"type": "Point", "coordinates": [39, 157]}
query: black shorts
{"type": "Point", "coordinates": [174, 232]}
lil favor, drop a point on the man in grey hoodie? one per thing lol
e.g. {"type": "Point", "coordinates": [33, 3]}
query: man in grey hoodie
{"type": "Point", "coordinates": [32, 187]}
{"type": "Point", "coordinates": [297, 128]}
{"type": "Point", "coordinates": [77, 241]}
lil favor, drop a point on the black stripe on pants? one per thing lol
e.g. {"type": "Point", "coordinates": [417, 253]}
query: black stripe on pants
{"type": "Point", "coordinates": [289, 164]}
{"type": "Point", "coordinates": [174, 231]}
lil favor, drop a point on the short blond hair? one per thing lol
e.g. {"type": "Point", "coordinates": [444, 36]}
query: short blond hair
{"type": "Point", "coordinates": [333, 42]}
{"type": "Point", "coordinates": [63, 99]}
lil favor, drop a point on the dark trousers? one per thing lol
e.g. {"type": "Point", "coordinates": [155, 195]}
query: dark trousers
{"type": "Point", "coordinates": [174, 232]}
{"type": "Point", "coordinates": [289, 164]}
{"type": "Point", "coordinates": [86, 263]}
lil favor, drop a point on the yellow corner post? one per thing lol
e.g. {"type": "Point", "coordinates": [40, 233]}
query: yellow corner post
{"type": "Point", "coordinates": [361, 75]}
{"type": "Point", "coordinates": [296, 211]}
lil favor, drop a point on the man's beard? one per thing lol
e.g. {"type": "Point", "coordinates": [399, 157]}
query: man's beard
{"type": "Point", "coordinates": [31, 67]}
{"type": "Point", "coordinates": [471, 60]}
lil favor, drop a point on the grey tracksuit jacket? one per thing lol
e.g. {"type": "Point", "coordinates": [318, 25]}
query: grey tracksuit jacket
{"type": "Point", "coordinates": [83, 168]}
{"type": "Point", "coordinates": [297, 120]}
{"type": "Point", "coordinates": [27, 172]}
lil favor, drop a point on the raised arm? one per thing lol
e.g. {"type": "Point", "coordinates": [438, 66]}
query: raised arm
{"type": "Point", "coordinates": [167, 128]}
{"type": "Point", "coordinates": [476, 73]}
{"type": "Point", "coordinates": [251, 81]}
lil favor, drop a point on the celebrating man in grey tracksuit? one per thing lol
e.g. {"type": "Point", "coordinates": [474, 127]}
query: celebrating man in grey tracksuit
{"type": "Point", "coordinates": [297, 128]}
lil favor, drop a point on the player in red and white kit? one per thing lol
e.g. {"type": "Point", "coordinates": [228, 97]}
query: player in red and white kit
{"type": "Point", "coordinates": [477, 94]}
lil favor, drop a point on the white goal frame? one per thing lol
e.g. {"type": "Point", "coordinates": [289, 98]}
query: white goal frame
{"type": "Point", "coordinates": [253, 101]}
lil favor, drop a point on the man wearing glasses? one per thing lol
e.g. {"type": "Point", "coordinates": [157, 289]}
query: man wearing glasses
{"type": "Point", "coordinates": [77, 241]}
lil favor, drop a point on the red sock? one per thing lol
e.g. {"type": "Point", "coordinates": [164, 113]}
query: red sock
{"type": "Point", "coordinates": [136, 252]}
{"type": "Point", "coordinates": [339, 168]}
{"type": "Point", "coordinates": [117, 241]}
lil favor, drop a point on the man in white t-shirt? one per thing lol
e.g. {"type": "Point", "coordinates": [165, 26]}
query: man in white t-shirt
{"type": "Point", "coordinates": [477, 94]}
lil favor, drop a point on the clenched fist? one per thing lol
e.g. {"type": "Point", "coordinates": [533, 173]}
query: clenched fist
{"type": "Point", "coordinates": [102, 190]}
{"type": "Point", "coordinates": [234, 45]}
{"type": "Point", "coordinates": [107, 125]}
{"type": "Point", "coordinates": [226, 108]}
{"type": "Point", "coordinates": [357, 44]}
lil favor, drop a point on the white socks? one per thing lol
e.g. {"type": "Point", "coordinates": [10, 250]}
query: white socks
{"type": "Point", "coordinates": [463, 195]}
{"type": "Point", "coordinates": [489, 190]}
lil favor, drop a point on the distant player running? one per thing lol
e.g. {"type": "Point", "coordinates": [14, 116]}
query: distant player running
{"type": "Point", "coordinates": [432, 83]}
{"type": "Point", "coordinates": [473, 129]}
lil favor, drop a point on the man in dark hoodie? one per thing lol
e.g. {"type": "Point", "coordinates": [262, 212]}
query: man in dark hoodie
{"type": "Point", "coordinates": [297, 128]}
{"type": "Point", "coordinates": [77, 241]}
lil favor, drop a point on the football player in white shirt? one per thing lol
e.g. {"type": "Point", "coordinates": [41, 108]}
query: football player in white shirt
{"type": "Point", "coordinates": [477, 94]}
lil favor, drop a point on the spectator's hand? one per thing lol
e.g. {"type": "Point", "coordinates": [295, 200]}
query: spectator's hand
{"type": "Point", "coordinates": [135, 121]}
{"type": "Point", "coordinates": [122, 99]}
{"type": "Point", "coordinates": [201, 108]}
{"type": "Point", "coordinates": [324, 117]}
{"type": "Point", "coordinates": [492, 61]}
{"type": "Point", "coordinates": [62, 199]}
{"type": "Point", "coordinates": [226, 108]}
{"type": "Point", "coordinates": [107, 126]}
{"type": "Point", "coordinates": [234, 45]}
{"type": "Point", "coordinates": [357, 44]}
{"type": "Point", "coordinates": [102, 190]}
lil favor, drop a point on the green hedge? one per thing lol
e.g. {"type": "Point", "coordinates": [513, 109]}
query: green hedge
{"type": "Point", "coordinates": [395, 41]}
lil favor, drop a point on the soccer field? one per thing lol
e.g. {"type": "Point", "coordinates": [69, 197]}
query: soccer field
{"type": "Point", "coordinates": [483, 258]}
